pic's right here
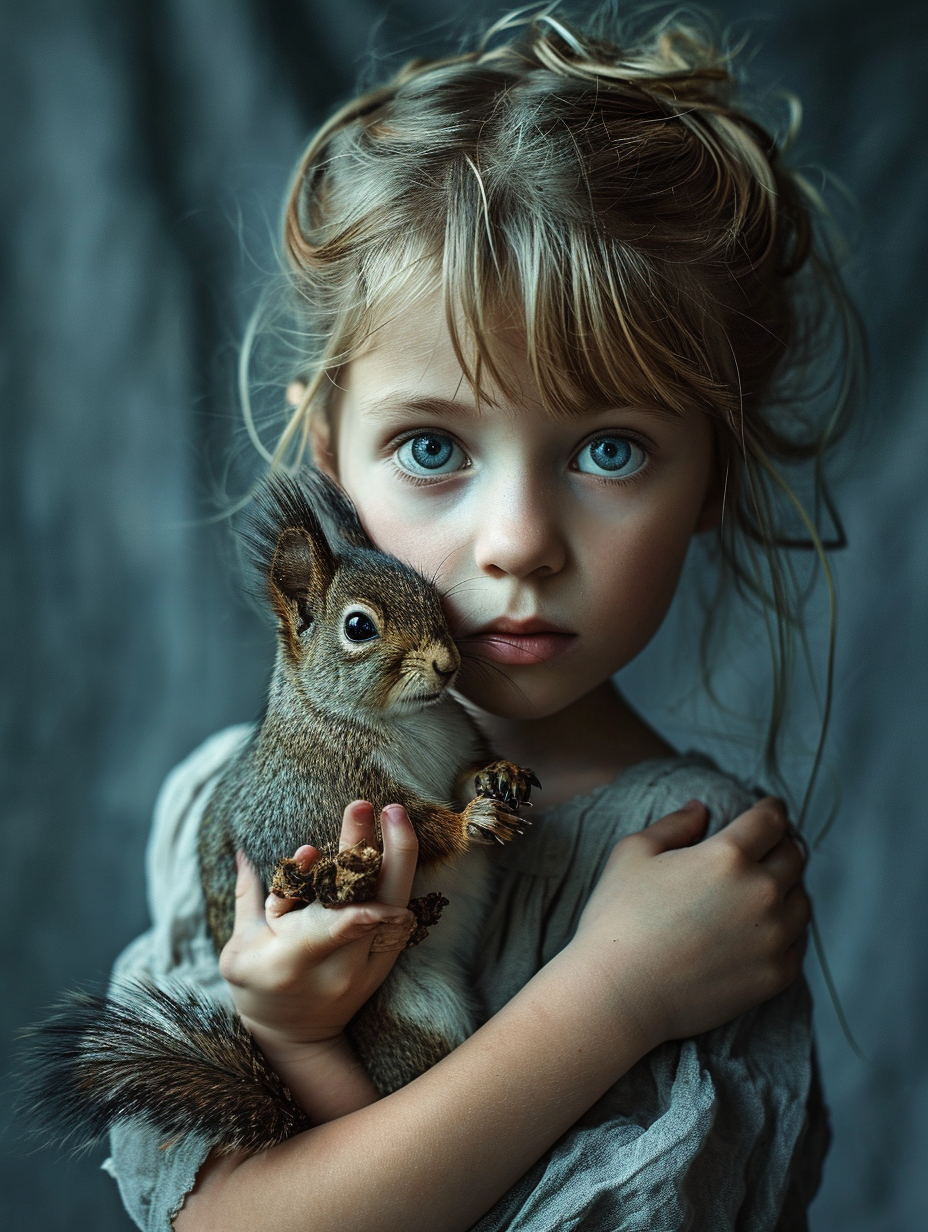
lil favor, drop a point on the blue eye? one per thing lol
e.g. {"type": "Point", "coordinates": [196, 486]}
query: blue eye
{"type": "Point", "coordinates": [615, 456]}
{"type": "Point", "coordinates": [431, 453]}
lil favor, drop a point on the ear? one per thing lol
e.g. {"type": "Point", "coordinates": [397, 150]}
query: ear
{"type": "Point", "coordinates": [301, 572]}
{"type": "Point", "coordinates": [331, 499]}
{"type": "Point", "coordinates": [322, 443]}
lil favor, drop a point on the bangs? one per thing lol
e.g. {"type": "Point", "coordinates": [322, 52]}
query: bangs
{"type": "Point", "coordinates": [601, 325]}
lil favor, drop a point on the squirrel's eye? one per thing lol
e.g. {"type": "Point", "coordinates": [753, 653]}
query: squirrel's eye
{"type": "Point", "coordinates": [359, 627]}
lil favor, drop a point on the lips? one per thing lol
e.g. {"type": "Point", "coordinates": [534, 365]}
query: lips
{"type": "Point", "coordinates": [520, 642]}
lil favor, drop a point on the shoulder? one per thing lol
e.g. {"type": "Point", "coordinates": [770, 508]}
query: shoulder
{"type": "Point", "coordinates": [653, 788]}
{"type": "Point", "coordinates": [176, 946]}
{"type": "Point", "coordinates": [179, 808]}
{"type": "Point", "coordinates": [580, 833]}
{"type": "Point", "coordinates": [188, 779]}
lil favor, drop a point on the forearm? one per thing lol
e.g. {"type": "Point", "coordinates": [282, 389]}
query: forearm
{"type": "Point", "coordinates": [326, 1078]}
{"type": "Point", "coordinates": [438, 1153]}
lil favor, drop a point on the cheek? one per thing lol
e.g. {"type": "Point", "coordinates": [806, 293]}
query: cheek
{"type": "Point", "coordinates": [398, 525]}
{"type": "Point", "coordinates": [633, 576]}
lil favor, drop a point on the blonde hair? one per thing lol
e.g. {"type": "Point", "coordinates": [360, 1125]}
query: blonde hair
{"type": "Point", "coordinates": [602, 190]}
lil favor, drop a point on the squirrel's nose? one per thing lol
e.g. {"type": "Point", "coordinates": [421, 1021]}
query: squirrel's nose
{"type": "Point", "coordinates": [445, 661]}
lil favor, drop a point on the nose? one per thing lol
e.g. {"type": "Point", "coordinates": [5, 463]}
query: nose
{"type": "Point", "coordinates": [445, 661]}
{"type": "Point", "coordinates": [519, 531]}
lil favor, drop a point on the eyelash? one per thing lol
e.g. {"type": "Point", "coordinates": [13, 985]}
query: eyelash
{"type": "Point", "coordinates": [424, 481]}
{"type": "Point", "coordinates": [646, 447]}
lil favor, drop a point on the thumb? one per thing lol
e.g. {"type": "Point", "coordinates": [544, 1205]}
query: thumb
{"type": "Point", "coordinates": [678, 829]}
{"type": "Point", "coordinates": [249, 895]}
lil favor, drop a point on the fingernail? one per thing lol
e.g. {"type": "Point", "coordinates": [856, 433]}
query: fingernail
{"type": "Point", "coordinates": [692, 806]}
{"type": "Point", "coordinates": [393, 813]}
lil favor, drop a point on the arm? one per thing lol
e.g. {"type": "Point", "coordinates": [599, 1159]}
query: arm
{"type": "Point", "coordinates": [675, 939]}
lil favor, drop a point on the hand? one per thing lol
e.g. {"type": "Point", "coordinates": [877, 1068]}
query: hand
{"type": "Point", "coordinates": [300, 973]}
{"type": "Point", "coordinates": [704, 932]}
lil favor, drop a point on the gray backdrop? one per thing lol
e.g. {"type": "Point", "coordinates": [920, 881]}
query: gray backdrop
{"type": "Point", "coordinates": [146, 146]}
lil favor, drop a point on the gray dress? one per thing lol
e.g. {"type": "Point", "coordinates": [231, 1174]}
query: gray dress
{"type": "Point", "coordinates": [724, 1131]}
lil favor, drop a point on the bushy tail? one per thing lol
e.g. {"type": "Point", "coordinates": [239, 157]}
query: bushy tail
{"type": "Point", "coordinates": [172, 1059]}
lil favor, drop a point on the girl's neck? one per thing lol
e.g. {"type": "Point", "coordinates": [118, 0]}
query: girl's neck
{"type": "Point", "coordinates": [579, 748]}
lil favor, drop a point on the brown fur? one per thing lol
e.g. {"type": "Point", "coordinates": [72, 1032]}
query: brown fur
{"type": "Point", "coordinates": [413, 1048]}
{"type": "Point", "coordinates": [351, 721]}
{"type": "Point", "coordinates": [345, 719]}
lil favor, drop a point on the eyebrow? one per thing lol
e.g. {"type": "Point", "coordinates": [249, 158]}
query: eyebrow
{"type": "Point", "coordinates": [424, 405]}
{"type": "Point", "coordinates": [414, 407]}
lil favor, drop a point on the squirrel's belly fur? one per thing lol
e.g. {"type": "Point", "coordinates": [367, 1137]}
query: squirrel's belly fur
{"type": "Point", "coordinates": [428, 751]}
{"type": "Point", "coordinates": [425, 1008]}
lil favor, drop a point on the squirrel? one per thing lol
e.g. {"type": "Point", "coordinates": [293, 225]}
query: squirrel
{"type": "Point", "coordinates": [359, 706]}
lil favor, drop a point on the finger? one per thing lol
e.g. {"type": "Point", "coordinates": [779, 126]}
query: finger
{"type": "Point", "coordinates": [758, 830]}
{"type": "Point", "coordinates": [357, 825]}
{"type": "Point", "coordinates": [249, 896]}
{"type": "Point", "coordinates": [678, 829]}
{"type": "Point", "coordinates": [400, 852]}
{"type": "Point", "coordinates": [785, 863]}
{"type": "Point", "coordinates": [385, 927]}
{"type": "Point", "coordinates": [325, 931]}
{"type": "Point", "coordinates": [800, 840]}
{"type": "Point", "coordinates": [392, 936]}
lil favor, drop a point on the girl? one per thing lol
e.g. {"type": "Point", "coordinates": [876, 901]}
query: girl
{"type": "Point", "coordinates": [555, 290]}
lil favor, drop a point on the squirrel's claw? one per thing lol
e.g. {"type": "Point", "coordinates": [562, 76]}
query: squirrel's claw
{"type": "Point", "coordinates": [507, 783]}
{"type": "Point", "coordinates": [487, 820]}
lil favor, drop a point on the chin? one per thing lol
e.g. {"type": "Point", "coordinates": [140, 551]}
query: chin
{"type": "Point", "coordinates": [519, 695]}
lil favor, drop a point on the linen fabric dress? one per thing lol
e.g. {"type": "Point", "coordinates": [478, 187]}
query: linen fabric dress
{"type": "Point", "coordinates": [721, 1132]}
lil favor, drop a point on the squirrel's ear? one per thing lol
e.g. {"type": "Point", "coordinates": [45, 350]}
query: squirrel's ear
{"type": "Point", "coordinates": [301, 572]}
{"type": "Point", "coordinates": [334, 502]}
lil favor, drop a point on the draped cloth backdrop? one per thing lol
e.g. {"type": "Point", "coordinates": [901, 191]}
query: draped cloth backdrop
{"type": "Point", "coordinates": [146, 148]}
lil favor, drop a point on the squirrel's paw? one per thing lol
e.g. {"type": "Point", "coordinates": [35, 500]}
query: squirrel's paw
{"type": "Point", "coordinates": [487, 820]}
{"type": "Point", "coordinates": [292, 880]}
{"type": "Point", "coordinates": [427, 911]}
{"type": "Point", "coordinates": [349, 877]}
{"type": "Point", "coordinates": [505, 781]}
{"type": "Point", "coordinates": [334, 881]}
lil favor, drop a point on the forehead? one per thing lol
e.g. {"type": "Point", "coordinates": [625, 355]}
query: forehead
{"type": "Point", "coordinates": [410, 365]}
{"type": "Point", "coordinates": [411, 354]}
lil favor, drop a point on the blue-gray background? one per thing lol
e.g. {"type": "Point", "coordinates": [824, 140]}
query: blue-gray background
{"type": "Point", "coordinates": [146, 146]}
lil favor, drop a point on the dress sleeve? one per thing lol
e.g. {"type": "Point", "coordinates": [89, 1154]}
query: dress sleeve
{"type": "Point", "coordinates": [154, 1180]}
{"type": "Point", "coordinates": [155, 1177]}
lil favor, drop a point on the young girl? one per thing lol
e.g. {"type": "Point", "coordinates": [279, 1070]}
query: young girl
{"type": "Point", "coordinates": [555, 289]}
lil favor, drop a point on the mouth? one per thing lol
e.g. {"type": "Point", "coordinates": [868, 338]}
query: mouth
{"type": "Point", "coordinates": [520, 642]}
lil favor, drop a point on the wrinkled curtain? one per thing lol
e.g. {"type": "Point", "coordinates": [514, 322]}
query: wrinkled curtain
{"type": "Point", "coordinates": [146, 147]}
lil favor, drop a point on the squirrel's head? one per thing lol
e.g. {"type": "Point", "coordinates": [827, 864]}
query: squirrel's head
{"type": "Point", "coordinates": [358, 630]}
